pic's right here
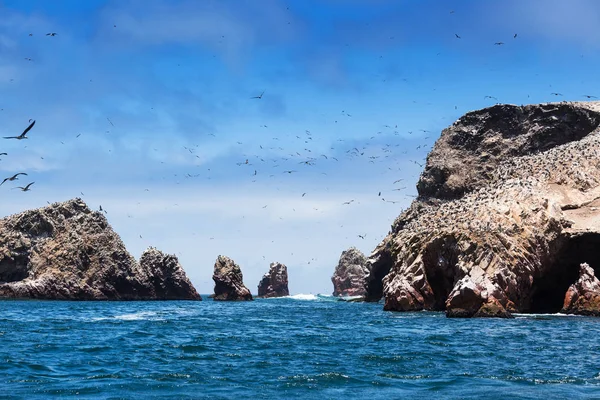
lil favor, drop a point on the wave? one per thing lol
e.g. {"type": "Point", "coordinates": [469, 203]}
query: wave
{"type": "Point", "coordinates": [310, 297]}
{"type": "Point", "coordinates": [533, 316]}
{"type": "Point", "coordinates": [138, 316]}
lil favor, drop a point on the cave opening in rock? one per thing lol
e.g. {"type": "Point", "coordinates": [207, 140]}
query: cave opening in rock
{"type": "Point", "coordinates": [548, 290]}
{"type": "Point", "coordinates": [14, 270]}
{"type": "Point", "coordinates": [374, 281]}
{"type": "Point", "coordinates": [440, 259]}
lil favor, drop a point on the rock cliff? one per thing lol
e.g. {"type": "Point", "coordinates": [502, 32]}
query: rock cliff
{"type": "Point", "coordinates": [229, 281]}
{"type": "Point", "coordinates": [275, 282]}
{"type": "Point", "coordinates": [66, 251]}
{"type": "Point", "coordinates": [508, 209]}
{"type": "Point", "coordinates": [349, 276]}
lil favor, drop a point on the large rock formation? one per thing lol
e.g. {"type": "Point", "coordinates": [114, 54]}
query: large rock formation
{"type": "Point", "coordinates": [583, 297]}
{"type": "Point", "coordinates": [229, 281]}
{"type": "Point", "coordinates": [275, 282]}
{"type": "Point", "coordinates": [66, 251]}
{"type": "Point", "coordinates": [349, 276]}
{"type": "Point", "coordinates": [508, 208]}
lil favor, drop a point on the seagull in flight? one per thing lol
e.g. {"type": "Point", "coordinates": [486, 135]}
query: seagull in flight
{"type": "Point", "coordinates": [13, 178]}
{"type": "Point", "coordinates": [589, 97]}
{"type": "Point", "coordinates": [258, 97]}
{"type": "Point", "coordinates": [456, 34]}
{"type": "Point", "coordinates": [556, 94]}
{"type": "Point", "coordinates": [22, 135]}
{"type": "Point", "coordinates": [498, 43]}
{"type": "Point", "coordinates": [26, 188]}
{"type": "Point", "coordinates": [51, 34]}
{"type": "Point", "coordinates": [489, 97]}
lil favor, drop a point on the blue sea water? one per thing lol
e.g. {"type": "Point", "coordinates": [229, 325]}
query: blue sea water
{"type": "Point", "coordinates": [305, 347]}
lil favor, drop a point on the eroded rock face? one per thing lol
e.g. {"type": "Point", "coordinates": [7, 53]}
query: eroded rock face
{"type": "Point", "coordinates": [583, 297]}
{"type": "Point", "coordinates": [66, 251]}
{"type": "Point", "coordinates": [349, 276]}
{"type": "Point", "coordinates": [166, 275]}
{"type": "Point", "coordinates": [508, 208]}
{"type": "Point", "coordinates": [229, 281]}
{"type": "Point", "coordinates": [275, 282]}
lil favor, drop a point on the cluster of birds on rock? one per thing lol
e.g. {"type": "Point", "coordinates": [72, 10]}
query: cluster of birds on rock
{"type": "Point", "coordinates": [15, 177]}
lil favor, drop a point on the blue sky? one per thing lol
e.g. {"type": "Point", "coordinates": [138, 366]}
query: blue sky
{"type": "Point", "coordinates": [144, 107]}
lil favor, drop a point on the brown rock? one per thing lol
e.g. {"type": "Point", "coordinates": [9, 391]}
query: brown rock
{"type": "Point", "coordinates": [275, 282]}
{"type": "Point", "coordinates": [66, 251]}
{"type": "Point", "coordinates": [508, 208]}
{"type": "Point", "coordinates": [583, 297]}
{"type": "Point", "coordinates": [167, 276]}
{"type": "Point", "coordinates": [229, 281]}
{"type": "Point", "coordinates": [350, 274]}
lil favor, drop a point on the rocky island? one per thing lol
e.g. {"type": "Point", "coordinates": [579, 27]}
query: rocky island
{"type": "Point", "coordinates": [275, 282]}
{"type": "Point", "coordinates": [349, 276]}
{"type": "Point", "coordinates": [229, 281]}
{"type": "Point", "coordinates": [65, 251]}
{"type": "Point", "coordinates": [508, 208]}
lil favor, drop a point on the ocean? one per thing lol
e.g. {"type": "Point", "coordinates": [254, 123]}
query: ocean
{"type": "Point", "coordinates": [301, 347]}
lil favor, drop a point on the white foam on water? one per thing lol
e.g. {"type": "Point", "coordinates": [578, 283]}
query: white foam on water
{"type": "Point", "coordinates": [303, 296]}
{"type": "Point", "coordinates": [523, 315]}
{"type": "Point", "coordinates": [138, 316]}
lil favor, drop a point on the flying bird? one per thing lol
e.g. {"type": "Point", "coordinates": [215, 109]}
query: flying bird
{"type": "Point", "coordinates": [258, 97]}
{"type": "Point", "coordinates": [26, 188]}
{"type": "Point", "coordinates": [456, 34]}
{"type": "Point", "coordinates": [490, 97]}
{"type": "Point", "coordinates": [12, 178]}
{"type": "Point", "coordinates": [51, 34]}
{"type": "Point", "coordinates": [498, 43]}
{"type": "Point", "coordinates": [585, 95]}
{"type": "Point", "coordinates": [556, 94]}
{"type": "Point", "coordinates": [514, 37]}
{"type": "Point", "coordinates": [22, 135]}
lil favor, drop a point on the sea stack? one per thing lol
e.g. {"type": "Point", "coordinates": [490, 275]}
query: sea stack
{"type": "Point", "coordinates": [349, 276]}
{"type": "Point", "coordinates": [508, 209]}
{"type": "Point", "coordinates": [275, 282]}
{"type": "Point", "coordinates": [583, 297]}
{"type": "Point", "coordinates": [229, 281]}
{"type": "Point", "coordinates": [167, 276]}
{"type": "Point", "coordinates": [66, 251]}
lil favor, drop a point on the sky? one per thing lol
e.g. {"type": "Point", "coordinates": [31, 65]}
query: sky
{"type": "Point", "coordinates": [147, 108]}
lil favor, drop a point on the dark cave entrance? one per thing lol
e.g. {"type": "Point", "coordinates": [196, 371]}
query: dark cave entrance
{"type": "Point", "coordinates": [374, 282]}
{"type": "Point", "coordinates": [548, 291]}
{"type": "Point", "coordinates": [440, 259]}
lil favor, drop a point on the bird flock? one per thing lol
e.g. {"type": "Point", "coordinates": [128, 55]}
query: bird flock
{"type": "Point", "coordinates": [15, 177]}
{"type": "Point", "coordinates": [386, 146]}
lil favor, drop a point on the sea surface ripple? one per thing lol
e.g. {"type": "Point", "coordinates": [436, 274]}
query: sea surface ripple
{"type": "Point", "coordinates": [305, 347]}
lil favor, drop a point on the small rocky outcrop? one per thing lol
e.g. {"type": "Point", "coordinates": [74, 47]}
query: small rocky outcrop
{"type": "Point", "coordinates": [66, 251]}
{"type": "Point", "coordinates": [229, 281]}
{"type": "Point", "coordinates": [275, 282]}
{"type": "Point", "coordinates": [349, 276]}
{"type": "Point", "coordinates": [167, 276]}
{"type": "Point", "coordinates": [508, 208]}
{"type": "Point", "coordinates": [583, 297]}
